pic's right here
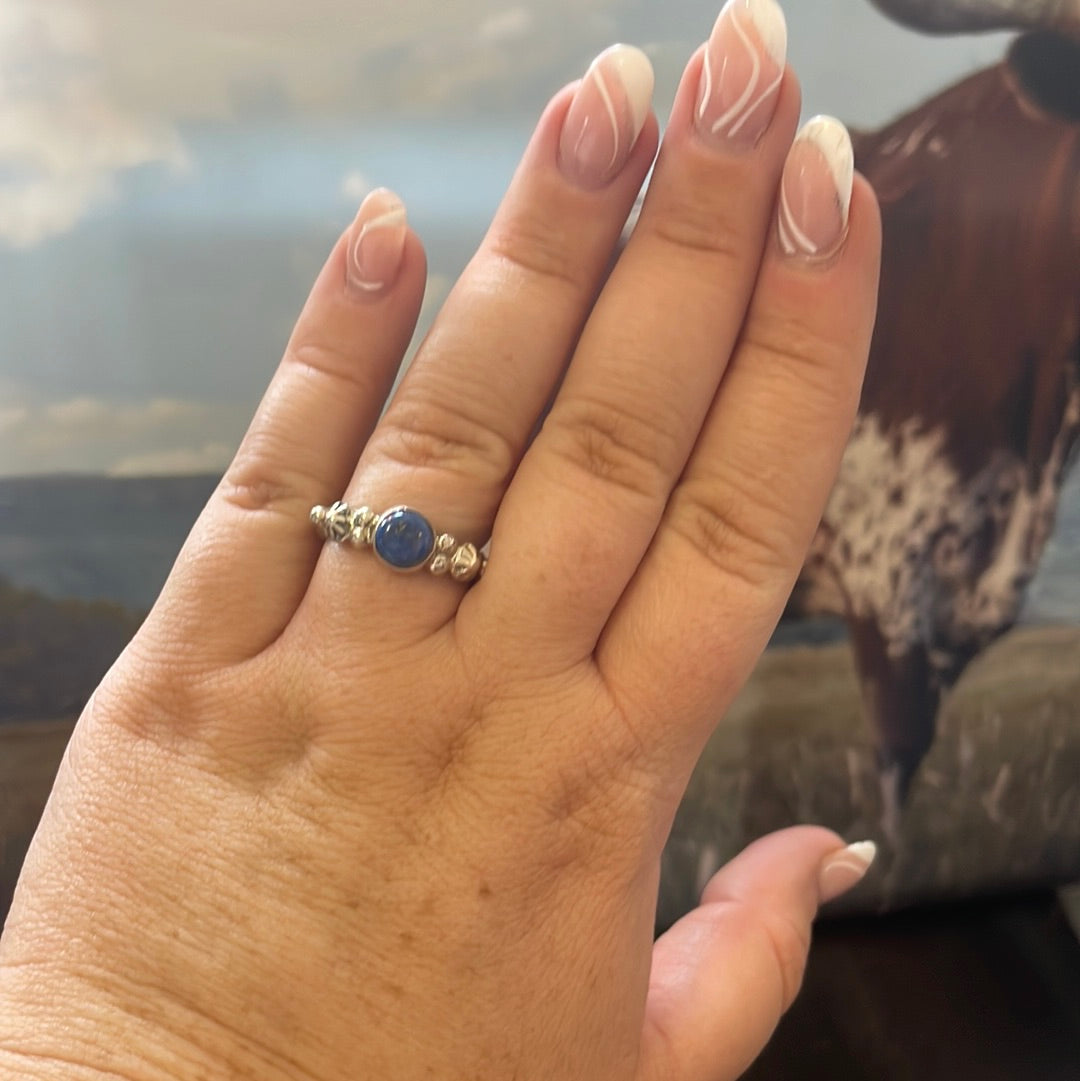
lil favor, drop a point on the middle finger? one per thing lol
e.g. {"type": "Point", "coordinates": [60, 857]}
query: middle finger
{"type": "Point", "coordinates": [653, 354]}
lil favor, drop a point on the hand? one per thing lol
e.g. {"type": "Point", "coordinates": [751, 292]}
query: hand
{"type": "Point", "coordinates": [323, 821]}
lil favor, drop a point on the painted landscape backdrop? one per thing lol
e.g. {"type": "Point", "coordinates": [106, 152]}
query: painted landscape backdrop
{"type": "Point", "coordinates": [95, 538]}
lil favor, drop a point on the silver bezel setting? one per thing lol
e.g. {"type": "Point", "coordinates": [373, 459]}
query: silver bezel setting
{"type": "Point", "coordinates": [342, 524]}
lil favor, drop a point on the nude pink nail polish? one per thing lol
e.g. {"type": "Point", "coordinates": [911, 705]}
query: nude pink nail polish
{"type": "Point", "coordinates": [741, 74]}
{"type": "Point", "coordinates": [815, 191]}
{"type": "Point", "coordinates": [376, 243]}
{"type": "Point", "coordinates": [606, 116]}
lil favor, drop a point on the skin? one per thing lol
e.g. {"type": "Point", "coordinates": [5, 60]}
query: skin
{"type": "Point", "coordinates": [323, 822]}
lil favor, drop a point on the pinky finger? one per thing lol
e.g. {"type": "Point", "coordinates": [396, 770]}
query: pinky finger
{"type": "Point", "coordinates": [253, 549]}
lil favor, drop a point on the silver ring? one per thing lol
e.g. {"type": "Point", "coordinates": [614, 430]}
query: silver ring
{"type": "Point", "coordinates": [402, 538]}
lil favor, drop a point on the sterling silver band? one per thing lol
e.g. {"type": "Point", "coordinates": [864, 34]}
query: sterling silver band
{"type": "Point", "coordinates": [402, 538]}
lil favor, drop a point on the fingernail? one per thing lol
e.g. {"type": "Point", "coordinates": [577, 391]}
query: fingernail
{"type": "Point", "coordinates": [377, 243]}
{"type": "Point", "coordinates": [845, 869]}
{"type": "Point", "coordinates": [606, 116]}
{"type": "Point", "coordinates": [742, 73]}
{"type": "Point", "coordinates": [815, 192]}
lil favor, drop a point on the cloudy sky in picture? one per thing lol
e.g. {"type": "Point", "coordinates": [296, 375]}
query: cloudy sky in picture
{"type": "Point", "coordinates": [173, 172]}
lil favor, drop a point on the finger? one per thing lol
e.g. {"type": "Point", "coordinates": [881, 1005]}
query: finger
{"type": "Point", "coordinates": [723, 976]}
{"type": "Point", "coordinates": [592, 489]}
{"type": "Point", "coordinates": [253, 548]}
{"type": "Point", "coordinates": [458, 424]}
{"type": "Point", "coordinates": [737, 528]}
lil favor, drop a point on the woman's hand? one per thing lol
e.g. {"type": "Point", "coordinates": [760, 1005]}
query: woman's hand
{"type": "Point", "coordinates": [324, 821]}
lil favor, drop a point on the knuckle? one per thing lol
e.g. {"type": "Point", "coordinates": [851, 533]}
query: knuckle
{"type": "Point", "coordinates": [255, 482]}
{"type": "Point", "coordinates": [733, 530]}
{"type": "Point", "coordinates": [445, 436]}
{"type": "Point", "coordinates": [698, 228]}
{"type": "Point", "coordinates": [330, 362]}
{"type": "Point", "coordinates": [608, 444]}
{"type": "Point", "coordinates": [263, 477]}
{"type": "Point", "coordinates": [160, 703]}
{"type": "Point", "coordinates": [529, 243]}
{"type": "Point", "coordinates": [808, 357]}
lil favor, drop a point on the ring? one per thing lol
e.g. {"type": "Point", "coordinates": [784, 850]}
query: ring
{"type": "Point", "coordinates": [402, 538]}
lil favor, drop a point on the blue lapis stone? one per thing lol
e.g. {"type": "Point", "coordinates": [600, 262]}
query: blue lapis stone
{"type": "Point", "coordinates": [404, 539]}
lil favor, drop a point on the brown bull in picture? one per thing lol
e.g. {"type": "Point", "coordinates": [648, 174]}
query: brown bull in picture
{"type": "Point", "coordinates": [971, 411]}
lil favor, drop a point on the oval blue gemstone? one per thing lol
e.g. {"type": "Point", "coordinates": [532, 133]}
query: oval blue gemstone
{"type": "Point", "coordinates": [404, 539]}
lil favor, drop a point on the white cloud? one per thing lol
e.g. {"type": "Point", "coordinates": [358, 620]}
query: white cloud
{"type": "Point", "coordinates": [158, 435]}
{"type": "Point", "coordinates": [509, 25]}
{"type": "Point", "coordinates": [12, 416]}
{"type": "Point", "coordinates": [124, 436]}
{"type": "Point", "coordinates": [206, 56]}
{"type": "Point", "coordinates": [355, 187]}
{"type": "Point", "coordinates": [209, 458]}
{"type": "Point", "coordinates": [62, 141]}
{"type": "Point", "coordinates": [92, 88]}
{"type": "Point", "coordinates": [36, 210]}
{"type": "Point", "coordinates": [86, 415]}
{"type": "Point", "coordinates": [215, 58]}
{"type": "Point", "coordinates": [76, 411]}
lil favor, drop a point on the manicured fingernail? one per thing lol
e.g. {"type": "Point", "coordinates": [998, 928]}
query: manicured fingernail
{"type": "Point", "coordinates": [742, 73]}
{"type": "Point", "coordinates": [815, 192]}
{"type": "Point", "coordinates": [606, 116]}
{"type": "Point", "coordinates": [845, 869]}
{"type": "Point", "coordinates": [377, 243]}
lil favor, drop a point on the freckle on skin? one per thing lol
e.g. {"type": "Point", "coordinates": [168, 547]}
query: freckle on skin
{"type": "Point", "coordinates": [484, 891]}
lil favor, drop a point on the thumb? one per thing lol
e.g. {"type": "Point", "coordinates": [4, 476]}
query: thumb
{"type": "Point", "coordinates": [725, 973]}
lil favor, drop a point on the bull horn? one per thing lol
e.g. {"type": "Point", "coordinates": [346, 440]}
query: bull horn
{"type": "Point", "coordinates": [968, 16]}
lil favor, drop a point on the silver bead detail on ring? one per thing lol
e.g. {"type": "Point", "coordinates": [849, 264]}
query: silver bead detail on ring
{"type": "Point", "coordinates": [402, 538]}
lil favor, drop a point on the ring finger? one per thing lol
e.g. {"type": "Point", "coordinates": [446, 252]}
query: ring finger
{"type": "Point", "coordinates": [455, 430]}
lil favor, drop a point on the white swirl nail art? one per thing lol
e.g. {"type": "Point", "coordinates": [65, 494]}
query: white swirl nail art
{"type": "Point", "coordinates": [845, 869]}
{"type": "Point", "coordinates": [821, 170]}
{"type": "Point", "coordinates": [605, 95]}
{"type": "Point", "coordinates": [749, 19]}
{"type": "Point", "coordinates": [792, 238]}
{"type": "Point", "coordinates": [606, 116]}
{"type": "Point", "coordinates": [395, 217]}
